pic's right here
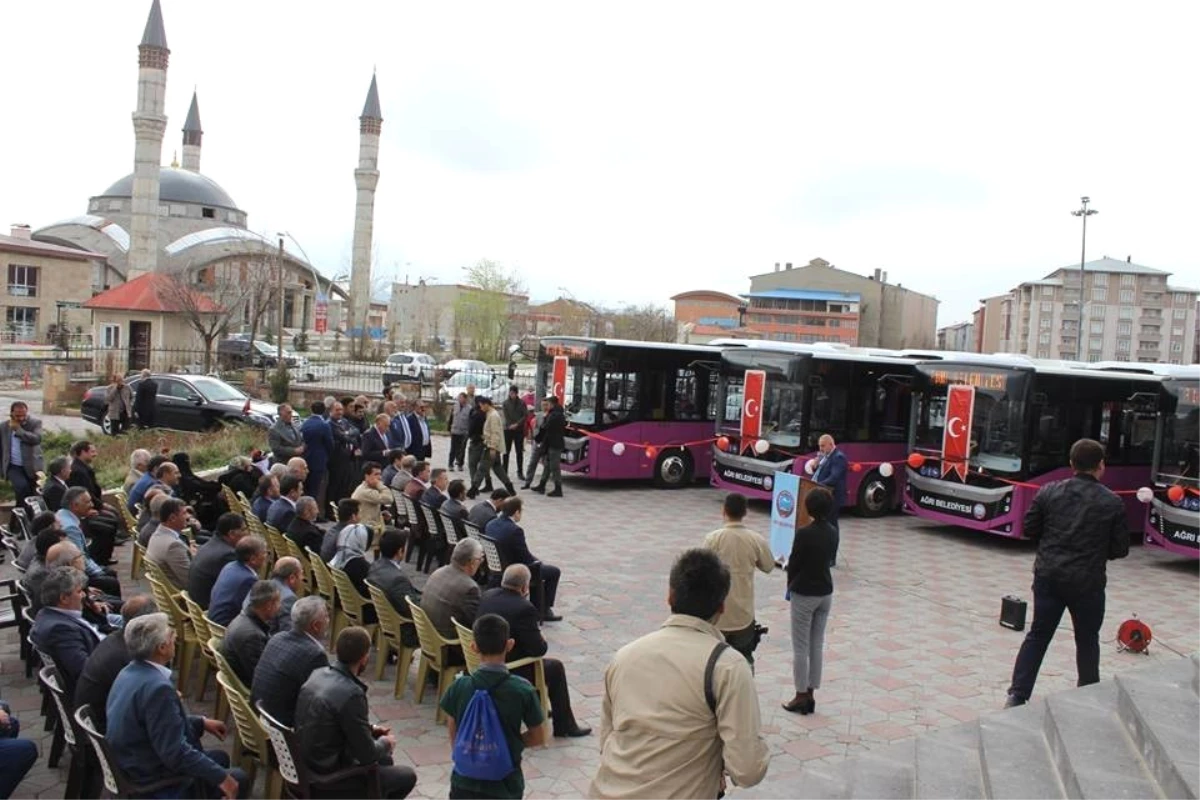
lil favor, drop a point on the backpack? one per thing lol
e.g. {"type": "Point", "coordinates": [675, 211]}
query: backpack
{"type": "Point", "coordinates": [480, 749]}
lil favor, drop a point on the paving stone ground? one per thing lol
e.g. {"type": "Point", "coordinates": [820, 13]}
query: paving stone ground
{"type": "Point", "coordinates": [913, 643]}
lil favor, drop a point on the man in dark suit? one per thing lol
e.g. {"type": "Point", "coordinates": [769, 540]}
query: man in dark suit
{"type": "Point", "coordinates": [485, 511]}
{"type": "Point", "coordinates": [387, 573]}
{"type": "Point", "coordinates": [21, 450]}
{"type": "Point", "coordinates": [456, 492]}
{"type": "Point", "coordinates": [377, 444]}
{"type": "Point", "coordinates": [435, 494]}
{"type": "Point", "coordinates": [213, 555]}
{"type": "Point", "coordinates": [145, 400]}
{"type": "Point", "coordinates": [283, 510]}
{"type": "Point", "coordinates": [151, 736]}
{"type": "Point", "coordinates": [266, 494]}
{"type": "Point", "coordinates": [318, 446]}
{"type": "Point", "coordinates": [248, 632]}
{"type": "Point", "coordinates": [303, 529]}
{"type": "Point", "coordinates": [108, 659]}
{"type": "Point", "coordinates": [59, 630]}
{"type": "Point", "coordinates": [58, 471]}
{"type": "Point", "coordinates": [102, 526]}
{"type": "Point", "coordinates": [831, 473]}
{"type": "Point", "coordinates": [510, 600]}
{"type": "Point", "coordinates": [418, 431]}
{"type": "Point", "coordinates": [289, 658]}
{"type": "Point", "coordinates": [236, 578]}
{"type": "Point", "coordinates": [510, 542]}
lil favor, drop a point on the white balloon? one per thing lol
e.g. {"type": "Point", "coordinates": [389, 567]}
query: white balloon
{"type": "Point", "coordinates": [761, 446]}
{"type": "Point", "coordinates": [810, 466]}
{"type": "Point", "coordinates": [1145, 494]}
{"type": "Point", "coordinates": [885, 469]}
{"type": "Point", "coordinates": [618, 448]}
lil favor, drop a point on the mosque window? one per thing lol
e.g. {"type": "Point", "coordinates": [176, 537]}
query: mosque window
{"type": "Point", "coordinates": [208, 213]}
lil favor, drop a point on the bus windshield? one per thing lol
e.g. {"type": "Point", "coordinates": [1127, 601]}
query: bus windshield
{"type": "Point", "coordinates": [782, 415]}
{"type": "Point", "coordinates": [998, 422]}
{"type": "Point", "coordinates": [1180, 451]}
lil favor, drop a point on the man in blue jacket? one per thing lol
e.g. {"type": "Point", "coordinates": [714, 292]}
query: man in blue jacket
{"type": "Point", "coordinates": [151, 736]}
{"type": "Point", "coordinates": [831, 473]}
{"type": "Point", "coordinates": [318, 445]}
{"type": "Point", "coordinates": [510, 543]}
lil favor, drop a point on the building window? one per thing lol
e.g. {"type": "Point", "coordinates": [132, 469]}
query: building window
{"type": "Point", "coordinates": [1149, 329]}
{"type": "Point", "coordinates": [1047, 291]}
{"type": "Point", "coordinates": [1096, 326]}
{"type": "Point", "coordinates": [22, 322]}
{"type": "Point", "coordinates": [1099, 294]}
{"type": "Point", "coordinates": [1124, 328]}
{"type": "Point", "coordinates": [1177, 330]}
{"type": "Point", "coordinates": [110, 336]}
{"type": "Point", "coordinates": [1126, 312]}
{"type": "Point", "coordinates": [208, 213]}
{"type": "Point", "coordinates": [1128, 280]}
{"type": "Point", "coordinates": [1176, 347]}
{"type": "Point", "coordinates": [1043, 353]}
{"type": "Point", "coordinates": [1100, 279]}
{"type": "Point", "coordinates": [1181, 313]}
{"type": "Point", "coordinates": [1047, 307]}
{"type": "Point", "coordinates": [1044, 323]}
{"type": "Point", "coordinates": [1093, 357]}
{"type": "Point", "coordinates": [22, 280]}
{"type": "Point", "coordinates": [1044, 338]}
{"type": "Point", "coordinates": [1095, 343]}
{"type": "Point", "coordinates": [1181, 299]}
{"type": "Point", "coordinates": [1098, 311]}
{"type": "Point", "coordinates": [1122, 345]}
{"type": "Point", "coordinates": [1127, 295]}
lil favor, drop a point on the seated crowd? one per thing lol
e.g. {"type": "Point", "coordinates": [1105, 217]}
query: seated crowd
{"type": "Point", "coordinates": [114, 649]}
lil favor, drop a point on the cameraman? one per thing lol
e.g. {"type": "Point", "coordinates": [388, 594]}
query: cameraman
{"type": "Point", "coordinates": [742, 551]}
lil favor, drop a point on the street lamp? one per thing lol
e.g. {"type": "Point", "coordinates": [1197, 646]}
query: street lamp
{"type": "Point", "coordinates": [316, 280]}
{"type": "Point", "coordinates": [1083, 212]}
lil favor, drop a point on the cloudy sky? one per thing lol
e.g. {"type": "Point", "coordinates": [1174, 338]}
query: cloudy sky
{"type": "Point", "coordinates": [629, 151]}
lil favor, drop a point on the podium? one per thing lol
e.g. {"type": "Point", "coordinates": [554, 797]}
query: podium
{"type": "Point", "coordinates": [802, 516]}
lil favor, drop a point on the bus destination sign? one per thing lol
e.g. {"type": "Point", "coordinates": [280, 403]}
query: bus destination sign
{"type": "Point", "coordinates": [574, 352]}
{"type": "Point", "coordinates": [990, 381]}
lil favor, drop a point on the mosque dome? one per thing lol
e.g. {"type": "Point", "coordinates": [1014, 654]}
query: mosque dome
{"type": "Point", "coordinates": [178, 186]}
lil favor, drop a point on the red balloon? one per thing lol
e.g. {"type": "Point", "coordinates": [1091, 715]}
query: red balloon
{"type": "Point", "coordinates": [723, 443]}
{"type": "Point", "coordinates": [651, 451]}
{"type": "Point", "coordinates": [856, 467]}
{"type": "Point", "coordinates": [916, 460]}
{"type": "Point", "coordinates": [1175, 494]}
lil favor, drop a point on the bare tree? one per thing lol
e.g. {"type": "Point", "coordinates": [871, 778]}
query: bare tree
{"type": "Point", "coordinates": [261, 280]}
{"type": "Point", "coordinates": [208, 305]}
{"type": "Point", "coordinates": [485, 315]}
{"type": "Point", "coordinates": [648, 323]}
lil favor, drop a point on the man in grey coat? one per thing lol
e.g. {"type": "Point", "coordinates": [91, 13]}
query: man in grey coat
{"type": "Point", "coordinates": [284, 437]}
{"type": "Point", "coordinates": [21, 451]}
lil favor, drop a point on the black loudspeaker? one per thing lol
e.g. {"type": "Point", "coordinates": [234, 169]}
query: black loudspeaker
{"type": "Point", "coordinates": [1012, 612]}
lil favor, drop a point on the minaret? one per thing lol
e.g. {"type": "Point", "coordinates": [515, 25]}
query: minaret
{"type": "Point", "coordinates": [191, 137]}
{"type": "Point", "coordinates": [149, 124]}
{"type": "Point", "coordinates": [365, 178]}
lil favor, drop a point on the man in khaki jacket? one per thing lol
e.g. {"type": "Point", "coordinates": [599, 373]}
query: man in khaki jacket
{"type": "Point", "coordinates": [661, 735]}
{"type": "Point", "coordinates": [742, 551]}
{"type": "Point", "coordinates": [493, 447]}
{"type": "Point", "coordinates": [372, 496]}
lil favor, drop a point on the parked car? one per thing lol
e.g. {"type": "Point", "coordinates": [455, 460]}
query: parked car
{"type": "Point", "coordinates": [457, 365]}
{"type": "Point", "coordinates": [408, 367]}
{"type": "Point", "coordinates": [486, 383]}
{"type": "Point", "coordinates": [238, 352]}
{"type": "Point", "coordinates": [188, 403]}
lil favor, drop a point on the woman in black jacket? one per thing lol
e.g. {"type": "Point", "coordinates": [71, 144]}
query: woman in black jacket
{"type": "Point", "coordinates": [810, 592]}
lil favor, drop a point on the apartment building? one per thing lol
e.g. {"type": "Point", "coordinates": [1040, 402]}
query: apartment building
{"type": "Point", "coordinates": [958, 337]}
{"type": "Point", "coordinates": [1130, 312]}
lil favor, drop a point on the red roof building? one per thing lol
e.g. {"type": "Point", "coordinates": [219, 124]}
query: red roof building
{"type": "Point", "coordinates": [149, 294]}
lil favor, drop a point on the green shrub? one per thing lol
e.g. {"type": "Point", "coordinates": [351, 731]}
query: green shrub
{"type": "Point", "coordinates": [281, 382]}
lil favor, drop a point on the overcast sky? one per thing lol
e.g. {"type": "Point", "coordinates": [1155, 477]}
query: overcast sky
{"type": "Point", "coordinates": [629, 151]}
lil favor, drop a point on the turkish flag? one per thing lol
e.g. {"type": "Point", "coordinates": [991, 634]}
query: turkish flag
{"type": "Point", "coordinates": [956, 436]}
{"type": "Point", "coordinates": [753, 385]}
{"type": "Point", "coordinates": [558, 382]}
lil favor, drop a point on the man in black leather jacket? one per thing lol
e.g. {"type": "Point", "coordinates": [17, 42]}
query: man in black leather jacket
{"type": "Point", "coordinates": [334, 727]}
{"type": "Point", "coordinates": [1078, 525]}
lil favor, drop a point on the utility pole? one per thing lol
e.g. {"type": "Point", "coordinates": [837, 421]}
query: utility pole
{"type": "Point", "coordinates": [279, 338]}
{"type": "Point", "coordinates": [1083, 212]}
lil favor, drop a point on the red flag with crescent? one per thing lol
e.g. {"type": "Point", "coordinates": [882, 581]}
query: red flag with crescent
{"type": "Point", "coordinates": [753, 385]}
{"type": "Point", "coordinates": [558, 382]}
{"type": "Point", "coordinates": [956, 437]}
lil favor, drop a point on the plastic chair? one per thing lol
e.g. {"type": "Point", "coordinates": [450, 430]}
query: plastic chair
{"type": "Point", "coordinates": [325, 588]}
{"type": "Point", "coordinates": [452, 527]}
{"type": "Point", "coordinates": [36, 505]}
{"type": "Point", "coordinates": [351, 605]}
{"type": "Point", "coordinates": [48, 677]}
{"type": "Point", "coordinates": [185, 635]}
{"type": "Point", "coordinates": [275, 540]}
{"type": "Point", "coordinates": [491, 555]}
{"type": "Point", "coordinates": [434, 651]}
{"type": "Point", "coordinates": [297, 779]}
{"type": "Point", "coordinates": [200, 625]}
{"type": "Point", "coordinates": [391, 627]}
{"type": "Point", "coordinates": [251, 748]}
{"type": "Point", "coordinates": [294, 550]}
{"type": "Point", "coordinates": [223, 668]}
{"type": "Point", "coordinates": [467, 637]}
{"type": "Point", "coordinates": [116, 781]}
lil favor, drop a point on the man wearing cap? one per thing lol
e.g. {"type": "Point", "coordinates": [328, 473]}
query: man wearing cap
{"type": "Point", "coordinates": [493, 446]}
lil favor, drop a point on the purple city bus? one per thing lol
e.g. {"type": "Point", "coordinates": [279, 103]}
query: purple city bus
{"type": "Point", "coordinates": [859, 396]}
{"type": "Point", "coordinates": [635, 410]}
{"type": "Point", "coordinates": [1026, 415]}
{"type": "Point", "coordinates": [1173, 513]}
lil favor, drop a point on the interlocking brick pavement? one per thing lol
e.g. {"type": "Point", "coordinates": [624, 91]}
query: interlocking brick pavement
{"type": "Point", "coordinates": [913, 643]}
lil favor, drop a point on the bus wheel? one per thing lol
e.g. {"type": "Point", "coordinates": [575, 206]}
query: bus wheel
{"type": "Point", "coordinates": [875, 495]}
{"type": "Point", "coordinates": [673, 468]}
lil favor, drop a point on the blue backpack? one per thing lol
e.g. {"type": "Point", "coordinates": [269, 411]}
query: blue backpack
{"type": "Point", "coordinates": [480, 749]}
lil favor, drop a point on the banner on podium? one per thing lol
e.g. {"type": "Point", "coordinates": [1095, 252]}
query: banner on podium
{"type": "Point", "coordinates": [785, 502]}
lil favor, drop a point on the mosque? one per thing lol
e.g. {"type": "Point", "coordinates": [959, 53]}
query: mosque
{"type": "Point", "coordinates": [173, 225]}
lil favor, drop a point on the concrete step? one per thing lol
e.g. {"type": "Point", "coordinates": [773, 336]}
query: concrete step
{"type": "Point", "coordinates": [1093, 753]}
{"type": "Point", "coordinates": [947, 764]}
{"type": "Point", "coordinates": [1163, 728]}
{"type": "Point", "coordinates": [885, 772]}
{"type": "Point", "coordinates": [1015, 759]}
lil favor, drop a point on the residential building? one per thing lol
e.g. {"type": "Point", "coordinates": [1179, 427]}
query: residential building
{"type": "Point", "coordinates": [819, 302]}
{"type": "Point", "coordinates": [423, 316]}
{"type": "Point", "coordinates": [702, 315]}
{"type": "Point", "coordinates": [1130, 313]}
{"type": "Point", "coordinates": [958, 337]}
{"type": "Point", "coordinates": [566, 316]}
{"type": "Point", "coordinates": [989, 323]}
{"type": "Point", "coordinates": [46, 287]}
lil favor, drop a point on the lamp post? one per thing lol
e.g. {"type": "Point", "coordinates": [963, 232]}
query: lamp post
{"type": "Point", "coordinates": [1083, 212]}
{"type": "Point", "coordinates": [315, 274]}
{"type": "Point", "coordinates": [279, 338]}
